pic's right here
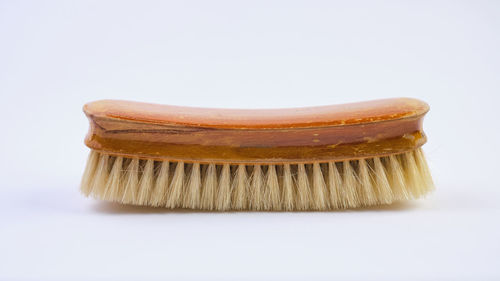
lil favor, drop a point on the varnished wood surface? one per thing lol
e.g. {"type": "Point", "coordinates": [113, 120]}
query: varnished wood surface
{"type": "Point", "coordinates": [319, 116]}
{"type": "Point", "coordinates": [309, 134]}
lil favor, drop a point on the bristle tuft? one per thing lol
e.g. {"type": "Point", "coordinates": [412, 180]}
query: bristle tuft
{"type": "Point", "coordinates": [223, 200]}
{"type": "Point", "coordinates": [272, 190]}
{"type": "Point", "coordinates": [425, 174]}
{"type": "Point", "coordinates": [146, 183]}
{"type": "Point", "coordinates": [349, 190]}
{"type": "Point", "coordinates": [114, 185]}
{"type": "Point", "coordinates": [382, 186]}
{"type": "Point", "coordinates": [334, 186]}
{"type": "Point", "coordinates": [288, 193]}
{"type": "Point", "coordinates": [89, 173]}
{"type": "Point", "coordinates": [303, 189]}
{"type": "Point", "coordinates": [240, 189]}
{"type": "Point", "coordinates": [159, 196]}
{"type": "Point", "coordinates": [193, 189]}
{"type": "Point", "coordinates": [131, 181]}
{"type": "Point", "coordinates": [174, 193]}
{"type": "Point", "coordinates": [209, 188]}
{"type": "Point", "coordinates": [367, 194]}
{"type": "Point", "coordinates": [320, 195]}
{"type": "Point", "coordinates": [257, 189]}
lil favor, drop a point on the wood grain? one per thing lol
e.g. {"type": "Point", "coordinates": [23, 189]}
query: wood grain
{"type": "Point", "coordinates": [308, 134]}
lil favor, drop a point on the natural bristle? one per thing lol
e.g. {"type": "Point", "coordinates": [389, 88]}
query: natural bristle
{"type": "Point", "coordinates": [288, 187]}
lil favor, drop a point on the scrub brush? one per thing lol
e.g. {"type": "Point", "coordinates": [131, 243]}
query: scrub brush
{"type": "Point", "coordinates": [312, 158]}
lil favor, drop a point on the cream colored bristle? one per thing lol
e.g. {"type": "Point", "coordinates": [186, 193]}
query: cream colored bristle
{"type": "Point", "coordinates": [295, 186]}
{"type": "Point", "coordinates": [397, 178]}
{"type": "Point", "coordinates": [425, 173]}
{"type": "Point", "coordinates": [89, 173]}
{"type": "Point", "coordinates": [381, 185]}
{"type": "Point", "coordinates": [131, 180]}
{"type": "Point", "coordinates": [193, 189]}
{"type": "Point", "coordinates": [366, 192]}
{"type": "Point", "coordinates": [256, 191]}
{"type": "Point", "coordinates": [240, 189]}
{"type": "Point", "coordinates": [349, 190]}
{"type": "Point", "coordinates": [272, 190]}
{"type": "Point", "coordinates": [223, 200]}
{"type": "Point", "coordinates": [174, 193]}
{"type": "Point", "coordinates": [209, 188]}
{"type": "Point", "coordinates": [334, 186]}
{"type": "Point", "coordinates": [101, 175]}
{"type": "Point", "coordinates": [320, 195]}
{"type": "Point", "coordinates": [412, 175]}
{"type": "Point", "coordinates": [303, 189]}
{"type": "Point", "coordinates": [146, 183]}
{"type": "Point", "coordinates": [114, 185]}
{"type": "Point", "coordinates": [287, 194]}
{"type": "Point", "coordinates": [159, 195]}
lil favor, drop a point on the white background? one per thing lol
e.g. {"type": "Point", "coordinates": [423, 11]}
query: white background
{"type": "Point", "coordinates": [55, 56]}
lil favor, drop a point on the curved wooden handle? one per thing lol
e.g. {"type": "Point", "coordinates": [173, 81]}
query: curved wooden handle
{"type": "Point", "coordinates": [308, 134]}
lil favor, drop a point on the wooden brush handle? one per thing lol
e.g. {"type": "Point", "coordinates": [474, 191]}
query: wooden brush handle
{"type": "Point", "coordinates": [295, 135]}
